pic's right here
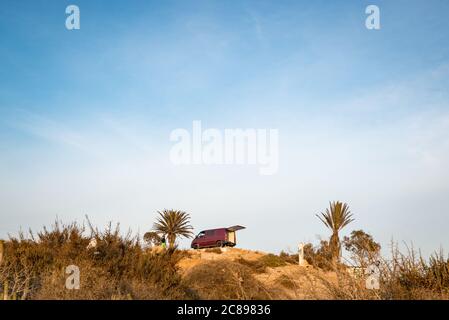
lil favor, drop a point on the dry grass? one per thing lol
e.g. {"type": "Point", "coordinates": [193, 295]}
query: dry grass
{"type": "Point", "coordinates": [213, 250]}
{"type": "Point", "coordinates": [406, 276]}
{"type": "Point", "coordinates": [224, 280]}
{"type": "Point", "coordinates": [120, 268]}
{"type": "Point", "coordinates": [261, 264]}
{"type": "Point", "coordinates": [33, 267]}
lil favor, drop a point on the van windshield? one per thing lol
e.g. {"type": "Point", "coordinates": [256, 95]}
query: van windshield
{"type": "Point", "coordinates": [201, 234]}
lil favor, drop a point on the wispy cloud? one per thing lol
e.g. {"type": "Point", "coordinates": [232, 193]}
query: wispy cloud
{"type": "Point", "coordinates": [43, 127]}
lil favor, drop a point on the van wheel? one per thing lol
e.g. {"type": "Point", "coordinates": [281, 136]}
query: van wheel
{"type": "Point", "coordinates": [197, 246]}
{"type": "Point", "coordinates": [220, 244]}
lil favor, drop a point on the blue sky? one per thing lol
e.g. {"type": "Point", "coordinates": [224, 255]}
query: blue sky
{"type": "Point", "coordinates": [363, 115]}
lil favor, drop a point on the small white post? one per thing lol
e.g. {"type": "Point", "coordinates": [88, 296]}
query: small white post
{"type": "Point", "coordinates": [301, 254]}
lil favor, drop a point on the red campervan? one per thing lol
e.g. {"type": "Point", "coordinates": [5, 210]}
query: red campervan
{"type": "Point", "coordinates": [216, 238]}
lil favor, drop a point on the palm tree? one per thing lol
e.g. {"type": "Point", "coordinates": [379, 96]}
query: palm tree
{"type": "Point", "coordinates": [173, 224]}
{"type": "Point", "coordinates": [336, 217]}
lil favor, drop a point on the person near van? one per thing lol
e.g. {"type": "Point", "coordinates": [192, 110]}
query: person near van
{"type": "Point", "coordinates": [163, 242]}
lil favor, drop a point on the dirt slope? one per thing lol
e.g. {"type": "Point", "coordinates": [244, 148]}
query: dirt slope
{"type": "Point", "coordinates": [287, 281]}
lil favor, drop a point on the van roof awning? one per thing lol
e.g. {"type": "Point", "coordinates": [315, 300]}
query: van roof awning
{"type": "Point", "coordinates": [235, 228]}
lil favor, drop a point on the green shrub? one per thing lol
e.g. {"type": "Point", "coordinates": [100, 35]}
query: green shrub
{"type": "Point", "coordinates": [289, 258]}
{"type": "Point", "coordinates": [272, 261]}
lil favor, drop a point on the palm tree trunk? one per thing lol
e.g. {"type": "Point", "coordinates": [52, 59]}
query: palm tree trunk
{"type": "Point", "coordinates": [335, 247]}
{"type": "Point", "coordinates": [171, 240]}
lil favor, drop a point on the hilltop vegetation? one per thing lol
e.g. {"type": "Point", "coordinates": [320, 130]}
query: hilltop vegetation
{"type": "Point", "coordinates": [121, 267]}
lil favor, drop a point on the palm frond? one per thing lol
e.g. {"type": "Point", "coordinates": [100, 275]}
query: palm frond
{"type": "Point", "coordinates": [173, 223]}
{"type": "Point", "coordinates": [336, 217]}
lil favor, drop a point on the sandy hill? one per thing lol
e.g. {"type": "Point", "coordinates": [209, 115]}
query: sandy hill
{"type": "Point", "coordinates": [279, 278]}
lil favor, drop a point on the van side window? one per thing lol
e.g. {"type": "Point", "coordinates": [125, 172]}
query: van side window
{"type": "Point", "coordinates": [210, 232]}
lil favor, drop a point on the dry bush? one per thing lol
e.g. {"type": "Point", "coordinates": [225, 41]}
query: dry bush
{"type": "Point", "coordinates": [289, 258]}
{"type": "Point", "coordinates": [319, 256]}
{"type": "Point", "coordinates": [410, 276]}
{"type": "Point", "coordinates": [261, 264]}
{"type": "Point", "coordinates": [286, 281]}
{"type": "Point", "coordinates": [339, 285]}
{"type": "Point", "coordinates": [152, 239]}
{"type": "Point", "coordinates": [33, 267]}
{"type": "Point", "coordinates": [116, 268]}
{"type": "Point", "coordinates": [254, 265]}
{"type": "Point", "coordinates": [26, 259]}
{"type": "Point", "coordinates": [95, 284]}
{"type": "Point", "coordinates": [362, 247]}
{"type": "Point", "coordinates": [224, 280]}
{"type": "Point", "coordinates": [272, 261]}
{"type": "Point", "coordinates": [406, 276]}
